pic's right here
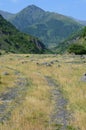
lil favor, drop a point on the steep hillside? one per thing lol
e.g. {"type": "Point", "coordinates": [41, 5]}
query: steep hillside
{"type": "Point", "coordinates": [76, 42]}
{"type": "Point", "coordinates": [14, 41]}
{"type": "Point", "coordinates": [50, 27]}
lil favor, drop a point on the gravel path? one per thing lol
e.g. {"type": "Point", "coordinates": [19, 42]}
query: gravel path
{"type": "Point", "coordinates": [60, 115]}
{"type": "Point", "coordinates": [12, 97]}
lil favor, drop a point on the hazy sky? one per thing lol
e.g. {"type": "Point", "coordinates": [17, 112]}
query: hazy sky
{"type": "Point", "coordinates": [73, 8]}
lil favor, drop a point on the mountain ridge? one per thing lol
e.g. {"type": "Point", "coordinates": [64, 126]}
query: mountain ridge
{"type": "Point", "coordinates": [52, 28]}
{"type": "Point", "coordinates": [6, 14]}
{"type": "Point", "coordinates": [12, 40]}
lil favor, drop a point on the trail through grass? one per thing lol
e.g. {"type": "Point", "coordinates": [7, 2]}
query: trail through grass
{"type": "Point", "coordinates": [42, 92]}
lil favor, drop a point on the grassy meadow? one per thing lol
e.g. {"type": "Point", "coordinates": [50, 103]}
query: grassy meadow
{"type": "Point", "coordinates": [31, 104]}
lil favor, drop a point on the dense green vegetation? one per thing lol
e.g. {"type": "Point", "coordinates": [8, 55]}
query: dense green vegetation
{"type": "Point", "coordinates": [83, 32]}
{"type": "Point", "coordinates": [50, 27]}
{"type": "Point", "coordinates": [77, 49]}
{"type": "Point", "coordinates": [76, 43]}
{"type": "Point", "coordinates": [14, 41]}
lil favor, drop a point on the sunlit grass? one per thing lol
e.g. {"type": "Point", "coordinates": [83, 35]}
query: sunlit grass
{"type": "Point", "coordinates": [34, 111]}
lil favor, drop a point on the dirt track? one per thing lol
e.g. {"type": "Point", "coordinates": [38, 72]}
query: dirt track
{"type": "Point", "coordinates": [60, 116]}
{"type": "Point", "coordinates": [12, 97]}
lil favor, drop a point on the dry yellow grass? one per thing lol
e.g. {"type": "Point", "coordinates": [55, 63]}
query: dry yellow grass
{"type": "Point", "coordinates": [34, 111]}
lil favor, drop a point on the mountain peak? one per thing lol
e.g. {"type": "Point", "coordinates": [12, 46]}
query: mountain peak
{"type": "Point", "coordinates": [33, 8]}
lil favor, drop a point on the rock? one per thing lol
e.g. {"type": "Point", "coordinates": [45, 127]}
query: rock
{"type": "Point", "coordinates": [83, 78]}
{"type": "Point", "coordinates": [37, 63]}
{"type": "Point", "coordinates": [5, 73]}
{"type": "Point", "coordinates": [23, 62]}
{"type": "Point", "coordinates": [16, 72]}
{"type": "Point", "coordinates": [85, 74]}
{"type": "Point", "coordinates": [46, 64]}
{"type": "Point", "coordinates": [51, 62]}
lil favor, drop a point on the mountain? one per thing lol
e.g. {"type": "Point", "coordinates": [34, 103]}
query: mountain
{"type": "Point", "coordinates": [6, 15]}
{"type": "Point", "coordinates": [76, 43]}
{"type": "Point", "coordinates": [52, 28]}
{"type": "Point", "coordinates": [82, 22]}
{"type": "Point", "coordinates": [12, 40]}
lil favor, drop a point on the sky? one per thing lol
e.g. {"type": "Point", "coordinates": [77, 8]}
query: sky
{"type": "Point", "coordinates": [72, 8]}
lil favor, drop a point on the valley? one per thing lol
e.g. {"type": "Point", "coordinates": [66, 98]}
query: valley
{"type": "Point", "coordinates": [42, 71]}
{"type": "Point", "coordinates": [42, 92]}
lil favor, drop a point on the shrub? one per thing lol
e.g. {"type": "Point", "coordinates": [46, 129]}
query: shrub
{"type": "Point", "coordinates": [77, 49]}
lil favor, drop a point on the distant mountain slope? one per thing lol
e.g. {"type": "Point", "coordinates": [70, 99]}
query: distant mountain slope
{"type": "Point", "coordinates": [76, 40]}
{"type": "Point", "coordinates": [83, 22]}
{"type": "Point", "coordinates": [50, 27]}
{"type": "Point", "coordinates": [14, 41]}
{"type": "Point", "coordinates": [6, 15]}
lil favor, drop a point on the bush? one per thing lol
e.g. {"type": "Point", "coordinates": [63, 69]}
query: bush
{"type": "Point", "coordinates": [77, 49]}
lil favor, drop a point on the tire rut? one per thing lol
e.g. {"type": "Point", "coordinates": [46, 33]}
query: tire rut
{"type": "Point", "coordinates": [60, 116]}
{"type": "Point", "coordinates": [12, 97]}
